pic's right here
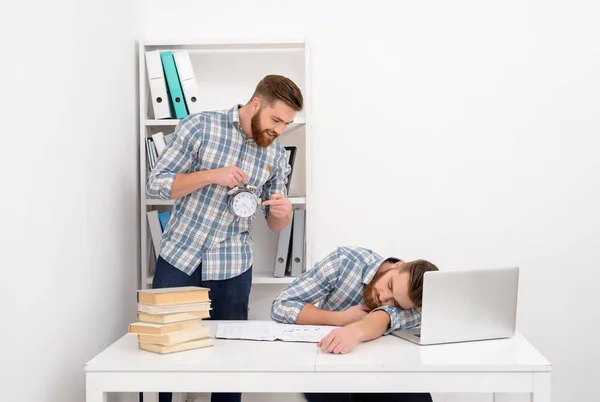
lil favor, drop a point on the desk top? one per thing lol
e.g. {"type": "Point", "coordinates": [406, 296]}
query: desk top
{"type": "Point", "coordinates": [224, 355]}
{"type": "Point", "coordinates": [387, 353]}
{"type": "Point", "coordinates": [393, 354]}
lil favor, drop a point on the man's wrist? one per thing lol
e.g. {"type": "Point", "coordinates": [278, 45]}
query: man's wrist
{"type": "Point", "coordinates": [205, 177]}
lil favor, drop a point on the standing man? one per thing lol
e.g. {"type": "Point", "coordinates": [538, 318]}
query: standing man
{"type": "Point", "coordinates": [364, 294]}
{"type": "Point", "coordinates": [204, 243]}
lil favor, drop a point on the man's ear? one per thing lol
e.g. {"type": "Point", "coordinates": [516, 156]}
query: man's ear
{"type": "Point", "coordinates": [255, 103]}
{"type": "Point", "coordinates": [399, 263]}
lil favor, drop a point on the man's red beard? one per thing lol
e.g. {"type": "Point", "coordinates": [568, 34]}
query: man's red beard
{"type": "Point", "coordinates": [260, 136]}
{"type": "Point", "coordinates": [370, 294]}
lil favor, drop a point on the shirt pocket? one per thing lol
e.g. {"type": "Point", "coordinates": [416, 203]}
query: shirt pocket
{"type": "Point", "coordinates": [264, 172]}
{"type": "Point", "coordinates": [258, 171]}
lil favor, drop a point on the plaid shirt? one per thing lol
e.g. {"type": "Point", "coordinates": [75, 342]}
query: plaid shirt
{"type": "Point", "coordinates": [201, 228]}
{"type": "Point", "coordinates": [337, 283]}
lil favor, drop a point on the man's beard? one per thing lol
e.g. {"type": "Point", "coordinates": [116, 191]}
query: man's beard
{"type": "Point", "coordinates": [259, 135]}
{"type": "Point", "coordinates": [370, 293]}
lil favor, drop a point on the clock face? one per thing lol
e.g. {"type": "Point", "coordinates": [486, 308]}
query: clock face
{"type": "Point", "coordinates": [244, 204]}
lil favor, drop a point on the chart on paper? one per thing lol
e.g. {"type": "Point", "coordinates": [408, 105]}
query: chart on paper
{"type": "Point", "coordinates": [271, 331]}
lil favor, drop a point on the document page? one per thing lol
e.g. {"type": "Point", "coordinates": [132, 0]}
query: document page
{"type": "Point", "coordinates": [259, 331]}
{"type": "Point", "coordinates": [271, 331]}
{"type": "Point", "coordinates": [303, 333]}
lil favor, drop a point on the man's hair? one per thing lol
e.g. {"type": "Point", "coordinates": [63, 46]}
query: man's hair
{"type": "Point", "coordinates": [416, 270]}
{"type": "Point", "coordinates": [276, 87]}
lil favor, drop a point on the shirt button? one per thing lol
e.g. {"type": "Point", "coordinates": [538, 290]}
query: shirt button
{"type": "Point", "coordinates": [212, 233]}
{"type": "Point", "coordinates": [204, 251]}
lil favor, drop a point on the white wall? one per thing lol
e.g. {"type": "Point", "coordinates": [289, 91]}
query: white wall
{"type": "Point", "coordinates": [69, 189]}
{"type": "Point", "coordinates": [466, 133]}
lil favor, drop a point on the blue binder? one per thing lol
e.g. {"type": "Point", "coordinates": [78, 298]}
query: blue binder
{"type": "Point", "coordinates": [173, 85]}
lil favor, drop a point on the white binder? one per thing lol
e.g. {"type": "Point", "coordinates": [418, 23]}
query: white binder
{"type": "Point", "coordinates": [159, 142]}
{"type": "Point", "coordinates": [155, 230]}
{"type": "Point", "coordinates": [157, 85]}
{"type": "Point", "coordinates": [297, 256]}
{"type": "Point", "coordinates": [187, 78]}
{"type": "Point", "coordinates": [283, 251]}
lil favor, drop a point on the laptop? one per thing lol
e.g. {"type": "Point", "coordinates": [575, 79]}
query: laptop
{"type": "Point", "coordinates": [468, 305]}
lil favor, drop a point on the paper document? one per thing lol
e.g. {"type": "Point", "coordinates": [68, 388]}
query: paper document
{"type": "Point", "coordinates": [272, 331]}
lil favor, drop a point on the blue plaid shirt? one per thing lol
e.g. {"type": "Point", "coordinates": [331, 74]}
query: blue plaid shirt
{"type": "Point", "coordinates": [201, 228]}
{"type": "Point", "coordinates": [337, 283]}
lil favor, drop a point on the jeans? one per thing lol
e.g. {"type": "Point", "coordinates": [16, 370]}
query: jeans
{"type": "Point", "coordinates": [374, 397]}
{"type": "Point", "coordinates": [229, 301]}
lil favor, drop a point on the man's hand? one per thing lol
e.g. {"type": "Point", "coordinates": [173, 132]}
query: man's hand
{"type": "Point", "coordinates": [340, 340]}
{"type": "Point", "coordinates": [281, 207]}
{"type": "Point", "coordinates": [229, 176]}
{"type": "Point", "coordinates": [354, 313]}
{"type": "Point", "coordinates": [343, 340]}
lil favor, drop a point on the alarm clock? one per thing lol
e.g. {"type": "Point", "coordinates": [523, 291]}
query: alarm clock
{"type": "Point", "coordinates": [243, 200]}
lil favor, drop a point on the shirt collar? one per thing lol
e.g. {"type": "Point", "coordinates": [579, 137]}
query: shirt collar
{"type": "Point", "coordinates": [370, 270]}
{"type": "Point", "coordinates": [233, 115]}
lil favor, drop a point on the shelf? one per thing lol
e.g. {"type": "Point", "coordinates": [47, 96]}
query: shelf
{"type": "Point", "coordinates": [174, 122]}
{"type": "Point", "coordinates": [160, 202]}
{"type": "Point", "coordinates": [246, 44]}
{"type": "Point", "coordinates": [264, 278]}
{"type": "Point", "coordinates": [216, 63]}
{"type": "Point", "coordinates": [259, 278]}
{"type": "Point", "coordinates": [296, 201]}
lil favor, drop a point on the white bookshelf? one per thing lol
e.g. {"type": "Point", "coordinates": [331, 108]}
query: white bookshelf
{"type": "Point", "coordinates": [227, 72]}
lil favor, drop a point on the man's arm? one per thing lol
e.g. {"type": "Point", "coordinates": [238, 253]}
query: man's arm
{"type": "Point", "coordinates": [186, 183]}
{"type": "Point", "coordinates": [170, 180]}
{"type": "Point", "coordinates": [312, 315]}
{"type": "Point", "coordinates": [280, 213]}
{"type": "Point", "coordinates": [372, 326]}
{"type": "Point", "coordinates": [295, 305]}
{"type": "Point", "coordinates": [175, 161]}
{"type": "Point", "coordinates": [379, 322]}
{"type": "Point", "coordinates": [277, 207]}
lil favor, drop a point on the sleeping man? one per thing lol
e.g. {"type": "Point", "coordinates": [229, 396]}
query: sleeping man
{"type": "Point", "coordinates": [364, 294]}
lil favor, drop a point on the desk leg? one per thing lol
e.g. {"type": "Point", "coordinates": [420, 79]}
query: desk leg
{"type": "Point", "coordinates": [542, 387]}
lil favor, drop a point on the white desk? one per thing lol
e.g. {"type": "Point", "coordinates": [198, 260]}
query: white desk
{"type": "Point", "coordinates": [501, 366]}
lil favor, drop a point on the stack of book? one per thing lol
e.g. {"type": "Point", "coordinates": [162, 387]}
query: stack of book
{"type": "Point", "coordinates": [170, 319]}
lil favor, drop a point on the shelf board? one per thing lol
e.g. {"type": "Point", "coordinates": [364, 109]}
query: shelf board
{"type": "Point", "coordinates": [295, 201]}
{"type": "Point", "coordinates": [264, 278]}
{"type": "Point", "coordinates": [259, 278]}
{"type": "Point", "coordinates": [173, 122]}
{"type": "Point", "coordinates": [160, 202]}
{"type": "Point", "coordinates": [221, 44]}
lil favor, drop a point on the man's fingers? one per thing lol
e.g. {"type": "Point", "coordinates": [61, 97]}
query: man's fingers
{"type": "Point", "coordinates": [280, 208]}
{"type": "Point", "coordinates": [333, 345]}
{"type": "Point", "coordinates": [274, 202]}
{"type": "Point", "coordinates": [325, 342]}
{"type": "Point", "coordinates": [239, 176]}
{"type": "Point", "coordinates": [339, 348]}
